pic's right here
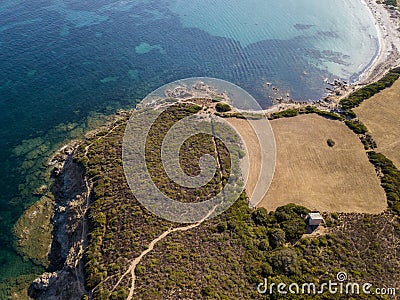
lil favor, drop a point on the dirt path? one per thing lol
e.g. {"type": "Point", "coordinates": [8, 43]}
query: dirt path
{"type": "Point", "coordinates": [99, 138]}
{"type": "Point", "coordinates": [77, 262]}
{"type": "Point", "coordinates": [132, 267]}
{"type": "Point", "coordinates": [150, 248]}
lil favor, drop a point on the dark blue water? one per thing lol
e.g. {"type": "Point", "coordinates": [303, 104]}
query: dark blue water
{"type": "Point", "coordinates": [64, 63]}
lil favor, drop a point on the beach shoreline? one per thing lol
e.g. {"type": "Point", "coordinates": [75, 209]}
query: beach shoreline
{"type": "Point", "coordinates": [387, 24]}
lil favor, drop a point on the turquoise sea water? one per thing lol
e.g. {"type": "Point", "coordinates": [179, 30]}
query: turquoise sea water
{"type": "Point", "coordinates": [338, 30]}
{"type": "Point", "coordinates": [64, 62]}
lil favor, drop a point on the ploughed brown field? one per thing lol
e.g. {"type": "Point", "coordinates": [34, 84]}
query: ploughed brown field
{"type": "Point", "coordinates": [310, 173]}
{"type": "Point", "coordinates": [381, 115]}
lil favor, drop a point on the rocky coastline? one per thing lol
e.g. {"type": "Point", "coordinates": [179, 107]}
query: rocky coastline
{"type": "Point", "coordinates": [71, 190]}
{"type": "Point", "coordinates": [64, 278]}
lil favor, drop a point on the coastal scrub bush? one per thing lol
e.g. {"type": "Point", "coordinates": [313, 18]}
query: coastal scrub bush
{"type": "Point", "coordinates": [263, 245]}
{"type": "Point", "coordinates": [288, 113]}
{"type": "Point", "coordinates": [356, 126]}
{"type": "Point", "coordinates": [294, 229]}
{"type": "Point", "coordinates": [291, 218]}
{"type": "Point", "coordinates": [356, 98]}
{"type": "Point", "coordinates": [391, 2]}
{"type": "Point", "coordinates": [368, 142]}
{"type": "Point", "coordinates": [277, 238]}
{"type": "Point", "coordinates": [285, 261]}
{"type": "Point", "coordinates": [222, 107]}
{"type": "Point", "coordinates": [390, 180]}
{"type": "Point", "coordinates": [193, 108]}
{"type": "Point", "coordinates": [330, 142]}
{"type": "Point", "coordinates": [310, 109]}
{"type": "Point", "coordinates": [291, 211]}
{"type": "Point", "coordinates": [260, 217]}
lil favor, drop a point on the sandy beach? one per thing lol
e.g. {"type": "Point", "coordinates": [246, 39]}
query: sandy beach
{"type": "Point", "coordinates": [387, 23]}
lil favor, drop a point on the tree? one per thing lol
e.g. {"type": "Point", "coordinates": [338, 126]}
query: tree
{"type": "Point", "coordinates": [277, 238]}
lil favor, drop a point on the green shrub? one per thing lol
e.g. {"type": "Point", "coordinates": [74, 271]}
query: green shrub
{"type": "Point", "coordinates": [277, 238]}
{"type": "Point", "coordinates": [222, 107]}
{"type": "Point", "coordinates": [222, 226]}
{"type": "Point", "coordinates": [260, 217]}
{"type": "Point", "coordinates": [266, 269]}
{"type": "Point", "coordinates": [263, 245]}
{"type": "Point", "coordinates": [328, 115]}
{"type": "Point", "coordinates": [335, 216]}
{"type": "Point", "coordinates": [193, 108]}
{"type": "Point", "coordinates": [329, 223]}
{"type": "Point", "coordinates": [285, 114]}
{"type": "Point", "coordinates": [368, 142]}
{"type": "Point", "coordinates": [390, 180]}
{"type": "Point", "coordinates": [356, 126]}
{"type": "Point", "coordinates": [285, 261]}
{"type": "Point", "coordinates": [294, 229]}
{"type": "Point", "coordinates": [330, 142]}
{"type": "Point", "coordinates": [391, 2]}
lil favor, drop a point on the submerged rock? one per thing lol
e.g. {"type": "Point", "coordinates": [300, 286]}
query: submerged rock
{"type": "Point", "coordinates": [40, 191]}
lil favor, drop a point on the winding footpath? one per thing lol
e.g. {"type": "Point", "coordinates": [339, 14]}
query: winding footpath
{"type": "Point", "coordinates": [150, 248]}
{"type": "Point", "coordinates": [82, 244]}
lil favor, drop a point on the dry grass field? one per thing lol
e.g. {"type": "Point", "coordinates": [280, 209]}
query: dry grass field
{"type": "Point", "coordinates": [381, 115]}
{"type": "Point", "coordinates": [310, 173]}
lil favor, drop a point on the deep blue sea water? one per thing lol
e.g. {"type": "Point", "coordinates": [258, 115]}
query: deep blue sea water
{"type": "Point", "coordinates": [64, 63]}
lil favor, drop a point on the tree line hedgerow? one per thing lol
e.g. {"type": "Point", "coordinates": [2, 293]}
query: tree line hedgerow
{"type": "Point", "coordinates": [356, 98]}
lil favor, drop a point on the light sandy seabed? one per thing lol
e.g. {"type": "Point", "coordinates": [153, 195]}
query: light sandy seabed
{"type": "Point", "coordinates": [387, 23]}
{"type": "Point", "coordinates": [381, 115]}
{"type": "Point", "coordinates": [310, 173]}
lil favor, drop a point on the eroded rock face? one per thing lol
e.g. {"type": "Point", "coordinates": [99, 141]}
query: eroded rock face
{"type": "Point", "coordinates": [43, 282]}
{"type": "Point", "coordinates": [58, 285]}
{"type": "Point", "coordinates": [65, 279]}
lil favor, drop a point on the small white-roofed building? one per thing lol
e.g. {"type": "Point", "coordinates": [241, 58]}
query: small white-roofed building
{"type": "Point", "coordinates": [314, 219]}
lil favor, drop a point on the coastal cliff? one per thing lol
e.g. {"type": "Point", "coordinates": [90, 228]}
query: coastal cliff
{"type": "Point", "coordinates": [65, 278]}
{"type": "Point", "coordinates": [71, 195]}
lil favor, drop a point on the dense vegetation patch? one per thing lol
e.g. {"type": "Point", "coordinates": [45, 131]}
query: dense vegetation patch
{"type": "Point", "coordinates": [391, 2]}
{"type": "Point", "coordinates": [222, 107]}
{"type": "Point", "coordinates": [309, 109]}
{"type": "Point", "coordinates": [356, 98]}
{"type": "Point", "coordinates": [288, 113]}
{"type": "Point", "coordinates": [190, 153]}
{"type": "Point", "coordinates": [323, 113]}
{"type": "Point", "coordinates": [356, 126]}
{"type": "Point", "coordinates": [390, 179]}
{"type": "Point", "coordinates": [225, 257]}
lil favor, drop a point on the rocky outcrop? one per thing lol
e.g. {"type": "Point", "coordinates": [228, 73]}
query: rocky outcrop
{"type": "Point", "coordinates": [56, 285]}
{"type": "Point", "coordinates": [65, 277]}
